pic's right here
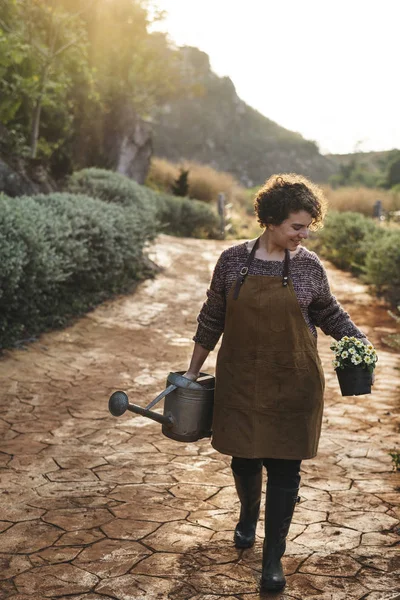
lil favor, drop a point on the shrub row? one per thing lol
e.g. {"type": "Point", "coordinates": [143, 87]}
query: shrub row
{"type": "Point", "coordinates": [171, 214]}
{"type": "Point", "coordinates": [63, 253]}
{"type": "Point", "coordinates": [356, 243]}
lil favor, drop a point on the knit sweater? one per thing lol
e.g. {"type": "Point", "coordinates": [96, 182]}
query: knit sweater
{"type": "Point", "coordinates": [318, 306]}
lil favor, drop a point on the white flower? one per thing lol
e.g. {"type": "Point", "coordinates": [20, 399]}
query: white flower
{"type": "Point", "coordinates": [355, 350]}
{"type": "Point", "coordinates": [356, 359]}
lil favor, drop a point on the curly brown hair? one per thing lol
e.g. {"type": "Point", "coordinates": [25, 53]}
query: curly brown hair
{"type": "Point", "coordinates": [286, 193]}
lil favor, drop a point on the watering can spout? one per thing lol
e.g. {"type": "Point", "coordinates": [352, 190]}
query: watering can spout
{"type": "Point", "coordinates": [188, 407]}
{"type": "Point", "coordinates": [119, 402]}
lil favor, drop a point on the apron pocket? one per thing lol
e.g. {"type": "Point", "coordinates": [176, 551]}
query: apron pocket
{"type": "Point", "coordinates": [235, 384]}
{"type": "Point", "coordinates": [291, 384]}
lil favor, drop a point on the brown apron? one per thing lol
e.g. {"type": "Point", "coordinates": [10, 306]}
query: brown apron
{"type": "Point", "coordinates": [269, 379]}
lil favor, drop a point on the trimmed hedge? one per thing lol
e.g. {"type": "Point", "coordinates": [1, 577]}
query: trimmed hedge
{"type": "Point", "coordinates": [382, 266]}
{"type": "Point", "coordinates": [61, 254]}
{"type": "Point", "coordinates": [186, 218]}
{"type": "Point", "coordinates": [170, 214]}
{"type": "Point", "coordinates": [356, 243]}
{"type": "Point", "coordinates": [345, 239]}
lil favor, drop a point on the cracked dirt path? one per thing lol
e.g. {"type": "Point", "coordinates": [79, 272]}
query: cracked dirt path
{"type": "Point", "coordinates": [95, 507]}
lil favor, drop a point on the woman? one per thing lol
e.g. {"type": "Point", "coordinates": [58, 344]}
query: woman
{"type": "Point", "coordinates": [268, 296]}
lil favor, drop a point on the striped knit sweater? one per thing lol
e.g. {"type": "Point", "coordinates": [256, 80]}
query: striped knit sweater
{"type": "Point", "coordinates": [319, 307]}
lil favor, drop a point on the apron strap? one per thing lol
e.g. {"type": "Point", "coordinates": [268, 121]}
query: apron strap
{"type": "Point", "coordinates": [286, 265]}
{"type": "Point", "coordinates": [244, 270]}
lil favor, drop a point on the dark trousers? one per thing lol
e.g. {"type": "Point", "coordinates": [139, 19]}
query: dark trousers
{"type": "Point", "coordinates": [281, 472]}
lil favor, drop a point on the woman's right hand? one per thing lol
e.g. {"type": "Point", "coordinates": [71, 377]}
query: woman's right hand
{"type": "Point", "coordinates": [190, 375]}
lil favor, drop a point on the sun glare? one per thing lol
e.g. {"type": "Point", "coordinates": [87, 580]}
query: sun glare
{"type": "Point", "coordinates": [325, 70]}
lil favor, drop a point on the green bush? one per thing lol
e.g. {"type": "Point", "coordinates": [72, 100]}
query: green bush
{"type": "Point", "coordinates": [61, 254]}
{"type": "Point", "coordinates": [118, 189]}
{"type": "Point", "coordinates": [112, 187]}
{"type": "Point", "coordinates": [345, 239]}
{"type": "Point", "coordinates": [186, 218]}
{"type": "Point", "coordinates": [31, 269]}
{"type": "Point", "coordinates": [382, 266]}
{"type": "Point", "coordinates": [158, 211]}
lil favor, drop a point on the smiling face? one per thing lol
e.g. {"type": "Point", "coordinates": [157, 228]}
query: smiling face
{"type": "Point", "coordinates": [292, 231]}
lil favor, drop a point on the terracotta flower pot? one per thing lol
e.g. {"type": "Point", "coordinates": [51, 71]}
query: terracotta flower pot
{"type": "Point", "coordinates": [354, 381]}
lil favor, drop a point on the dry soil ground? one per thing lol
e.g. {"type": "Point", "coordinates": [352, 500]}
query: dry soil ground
{"type": "Point", "coordinates": [96, 507]}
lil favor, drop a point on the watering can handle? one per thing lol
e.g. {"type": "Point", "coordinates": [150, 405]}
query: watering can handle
{"type": "Point", "coordinates": [176, 380]}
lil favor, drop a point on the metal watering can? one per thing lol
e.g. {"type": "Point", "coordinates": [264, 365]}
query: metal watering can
{"type": "Point", "coordinates": [188, 407]}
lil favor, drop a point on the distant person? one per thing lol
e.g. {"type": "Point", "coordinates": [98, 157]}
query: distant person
{"type": "Point", "coordinates": [377, 212]}
{"type": "Point", "coordinates": [267, 296]}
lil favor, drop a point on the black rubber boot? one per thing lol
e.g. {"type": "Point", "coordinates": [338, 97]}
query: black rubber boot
{"type": "Point", "coordinates": [248, 488]}
{"type": "Point", "coordinates": [279, 507]}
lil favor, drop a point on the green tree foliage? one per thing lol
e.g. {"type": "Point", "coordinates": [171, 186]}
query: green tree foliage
{"type": "Point", "coordinates": [369, 169]}
{"type": "Point", "coordinates": [354, 173]}
{"type": "Point", "coordinates": [129, 62]}
{"type": "Point", "coordinates": [71, 69]}
{"type": "Point", "coordinates": [392, 174]}
{"type": "Point", "coordinates": [42, 57]}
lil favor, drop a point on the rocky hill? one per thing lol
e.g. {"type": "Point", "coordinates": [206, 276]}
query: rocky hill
{"type": "Point", "coordinates": [212, 125]}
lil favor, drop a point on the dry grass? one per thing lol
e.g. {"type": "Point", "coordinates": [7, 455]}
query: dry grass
{"type": "Point", "coordinates": [162, 174]}
{"type": "Point", "coordinates": [205, 183]}
{"type": "Point", "coordinates": [361, 199]}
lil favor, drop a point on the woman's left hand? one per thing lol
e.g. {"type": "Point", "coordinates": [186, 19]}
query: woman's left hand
{"type": "Point", "coordinates": [367, 343]}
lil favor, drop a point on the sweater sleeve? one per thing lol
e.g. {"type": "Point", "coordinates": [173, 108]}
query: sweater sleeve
{"type": "Point", "coordinates": [326, 312]}
{"type": "Point", "coordinates": [211, 319]}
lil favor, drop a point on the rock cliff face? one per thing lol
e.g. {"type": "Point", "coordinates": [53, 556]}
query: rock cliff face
{"type": "Point", "coordinates": [22, 179]}
{"type": "Point", "coordinates": [129, 144]}
{"type": "Point", "coordinates": [213, 125]}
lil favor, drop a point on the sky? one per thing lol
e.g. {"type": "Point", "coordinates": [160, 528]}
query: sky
{"type": "Point", "coordinates": [326, 69]}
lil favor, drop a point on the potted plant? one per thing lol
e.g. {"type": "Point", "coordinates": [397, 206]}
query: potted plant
{"type": "Point", "coordinates": [354, 363]}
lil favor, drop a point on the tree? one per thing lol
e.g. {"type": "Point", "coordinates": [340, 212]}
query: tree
{"type": "Point", "coordinates": [40, 33]}
{"type": "Point", "coordinates": [180, 186]}
{"type": "Point", "coordinates": [392, 177]}
{"type": "Point", "coordinates": [134, 71]}
{"type": "Point", "coordinates": [72, 72]}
